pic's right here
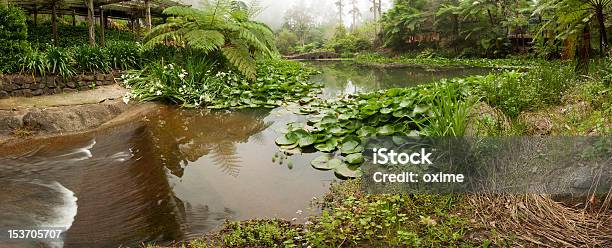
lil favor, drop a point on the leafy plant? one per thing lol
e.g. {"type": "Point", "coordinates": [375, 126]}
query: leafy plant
{"type": "Point", "coordinates": [35, 62]}
{"type": "Point", "coordinates": [91, 59]}
{"type": "Point", "coordinates": [124, 55]}
{"type": "Point", "coordinates": [13, 37]}
{"type": "Point", "coordinates": [219, 27]}
{"type": "Point", "coordinates": [60, 61]}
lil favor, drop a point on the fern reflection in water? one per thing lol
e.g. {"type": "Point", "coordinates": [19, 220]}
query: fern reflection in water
{"type": "Point", "coordinates": [184, 136]}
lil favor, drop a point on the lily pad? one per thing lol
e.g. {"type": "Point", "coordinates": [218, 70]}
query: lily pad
{"type": "Point", "coordinates": [347, 171]}
{"type": "Point", "coordinates": [355, 158]}
{"type": "Point", "coordinates": [386, 130]}
{"type": "Point", "coordinates": [283, 141]}
{"type": "Point", "coordinates": [366, 131]}
{"type": "Point", "coordinates": [328, 146]}
{"type": "Point", "coordinates": [350, 147]}
{"type": "Point", "coordinates": [326, 162]}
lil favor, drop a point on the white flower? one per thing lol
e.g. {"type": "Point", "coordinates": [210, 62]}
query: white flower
{"type": "Point", "coordinates": [159, 93]}
{"type": "Point", "coordinates": [299, 212]}
{"type": "Point", "coordinates": [126, 98]}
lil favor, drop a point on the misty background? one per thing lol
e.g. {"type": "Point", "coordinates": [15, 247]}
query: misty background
{"type": "Point", "coordinates": [273, 11]}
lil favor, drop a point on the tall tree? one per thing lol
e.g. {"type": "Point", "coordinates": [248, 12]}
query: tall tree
{"type": "Point", "coordinates": [355, 14]}
{"type": "Point", "coordinates": [340, 6]}
{"type": "Point", "coordinates": [299, 21]}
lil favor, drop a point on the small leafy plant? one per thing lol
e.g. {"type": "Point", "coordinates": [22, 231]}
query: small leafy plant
{"type": "Point", "coordinates": [92, 59]}
{"type": "Point", "coordinates": [60, 61]}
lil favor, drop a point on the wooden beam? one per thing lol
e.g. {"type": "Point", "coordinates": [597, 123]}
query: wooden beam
{"type": "Point", "coordinates": [90, 23]}
{"type": "Point", "coordinates": [73, 18]}
{"type": "Point", "coordinates": [35, 16]}
{"type": "Point", "coordinates": [102, 27]}
{"type": "Point", "coordinates": [54, 23]}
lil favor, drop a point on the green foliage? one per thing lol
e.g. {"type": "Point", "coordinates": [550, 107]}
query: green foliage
{"type": "Point", "coordinates": [514, 92]}
{"type": "Point", "coordinates": [13, 37]}
{"type": "Point", "coordinates": [391, 221]}
{"type": "Point", "coordinates": [349, 44]}
{"type": "Point", "coordinates": [424, 59]}
{"type": "Point", "coordinates": [338, 127]}
{"type": "Point", "coordinates": [264, 233]}
{"type": "Point", "coordinates": [172, 83]}
{"type": "Point", "coordinates": [124, 55]}
{"type": "Point", "coordinates": [41, 36]}
{"type": "Point", "coordinates": [60, 61]}
{"type": "Point", "coordinates": [198, 84]}
{"type": "Point", "coordinates": [92, 59]}
{"type": "Point", "coordinates": [217, 28]}
{"type": "Point", "coordinates": [34, 61]}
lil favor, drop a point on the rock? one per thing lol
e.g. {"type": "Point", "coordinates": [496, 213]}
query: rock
{"type": "Point", "coordinates": [99, 77]}
{"type": "Point", "coordinates": [4, 94]}
{"type": "Point", "coordinates": [71, 84]}
{"type": "Point", "coordinates": [27, 92]}
{"type": "Point", "coordinates": [75, 118]}
{"type": "Point", "coordinates": [38, 92]}
{"type": "Point", "coordinates": [583, 178]}
{"type": "Point", "coordinates": [9, 123]}
{"type": "Point", "coordinates": [87, 78]}
{"type": "Point", "coordinates": [69, 90]}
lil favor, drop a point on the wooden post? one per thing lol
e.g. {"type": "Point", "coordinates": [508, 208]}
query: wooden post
{"type": "Point", "coordinates": [148, 14]}
{"type": "Point", "coordinates": [90, 23]}
{"type": "Point", "coordinates": [54, 23]}
{"type": "Point", "coordinates": [35, 16]}
{"type": "Point", "coordinates": [73, 18]}
{"type": "Point", "coordinates": [102, 27]}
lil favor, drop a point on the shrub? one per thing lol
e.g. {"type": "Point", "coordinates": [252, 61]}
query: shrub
{"type": "Point", "coordinates": [35, 62]}
{"type": "Point", "coordinates": [91, 59]}
{"type": "Point", "coordinates": [514, 92]}
{"type": "Point", "coordinates": [124, 54]}
{"type": "Point", "coordinates": [60, 61]}
{"type": "Point", "coordinates": [40, 36]}
{"type": "Point", "coordinates": [13, 37]}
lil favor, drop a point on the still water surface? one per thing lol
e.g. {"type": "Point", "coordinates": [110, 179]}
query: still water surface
{"type": "Point", "coordinates": [175, 174]}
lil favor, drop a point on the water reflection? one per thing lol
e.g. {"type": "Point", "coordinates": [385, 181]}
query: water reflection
{"type": "Point", "coordinates": [348, 77]}
{"type": "Point", "coordinates": [183, 136]}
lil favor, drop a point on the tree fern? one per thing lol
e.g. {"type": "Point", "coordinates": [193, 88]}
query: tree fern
{"type": "Point", "coordinates": [222, 26]}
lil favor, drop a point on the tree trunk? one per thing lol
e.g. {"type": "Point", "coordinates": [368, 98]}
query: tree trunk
{"type": "Point", "coordinates": [102, 27]}
{"type": "Point", "coordinates": [73, 18]}
{"type": "Point", "coordinates": [603, 36]}
{"type": "Point", "coordinates": [35, 16]}
{"type": "Point", "coordinates": [90, 23]}
{"type": "Point", "coordinates": [582, 65]}
{"type": "Point", "coordinates": [54, 23]}
{"type": "Point", "coordinates": [148, 14]}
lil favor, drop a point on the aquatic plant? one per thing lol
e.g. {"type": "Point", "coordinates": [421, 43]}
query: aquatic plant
{"type": "Point", "coordinates": [339, 127]}
{"type": "Point", "coordinates": [199, 84]}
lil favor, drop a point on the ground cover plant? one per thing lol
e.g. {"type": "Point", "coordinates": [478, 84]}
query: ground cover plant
{"type": "Point", "coordinates": [199, 83]}
{"type": "Point", "coordinates": [411, 59]}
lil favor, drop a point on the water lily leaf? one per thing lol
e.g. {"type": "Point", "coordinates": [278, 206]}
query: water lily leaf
{"type": "Point", "coordinates": [406, 102]}
{"type": "Point", "coordinates": [328, 146]}
{"type": "Point", "coordinates": [336, 130]}
{"type": "Point", "coordinates": [325, 162]}
{"type": "Point", "coordinates": [307, 140]}
{"type": "Point", "coordinates": [283, 141]}
{"type": "Point", "coordinates": [350, 147]}
{"type": "Point", "coordinates": [321, 162]}
{"type": "Point", "coordinates": [386, 110]}
{"type": "Point", "coordinates": [401, 113]}
{"type": "Point", "coordinates": [346, 171]}
{"type": "Point", "coordinates": [355, 158]}
{"type": "Point", "coordinates": [366, 131]}
{"type": "Point", "coordinates": [328, 119]}
{"type": "Point", "coordinates": [420, 109]}
{"type": "Point", "coordinates": [386, 130]}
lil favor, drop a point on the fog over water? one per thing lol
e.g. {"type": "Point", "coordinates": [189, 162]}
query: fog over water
{"type": "Point", "coordinates": [322, 10]}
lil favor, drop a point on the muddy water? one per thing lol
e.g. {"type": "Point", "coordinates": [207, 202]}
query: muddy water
{"type": "Point", "coordinates": [173, 175]}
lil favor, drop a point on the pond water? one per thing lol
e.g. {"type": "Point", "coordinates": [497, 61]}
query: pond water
{"type": "Point", "coordinates": [173, 175]}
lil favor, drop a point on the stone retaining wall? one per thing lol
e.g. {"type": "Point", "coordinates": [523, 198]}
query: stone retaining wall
{"type": "Point", "coordinates": [28, 85]}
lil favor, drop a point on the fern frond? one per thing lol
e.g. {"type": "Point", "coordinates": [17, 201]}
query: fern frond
{"type": "Point", "coordinates": [206, 40]}
{"type": "Point", "coordinates": [240, 57]}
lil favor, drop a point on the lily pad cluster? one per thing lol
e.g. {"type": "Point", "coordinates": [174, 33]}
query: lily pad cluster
{"type": "Point", "coordinates": [278, 82]}
{"type": "Point", "coordinates": [340, 127]}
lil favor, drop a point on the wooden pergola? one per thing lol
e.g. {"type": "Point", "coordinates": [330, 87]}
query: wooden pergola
{"type": "Point", "coordinates": [119, 9]}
